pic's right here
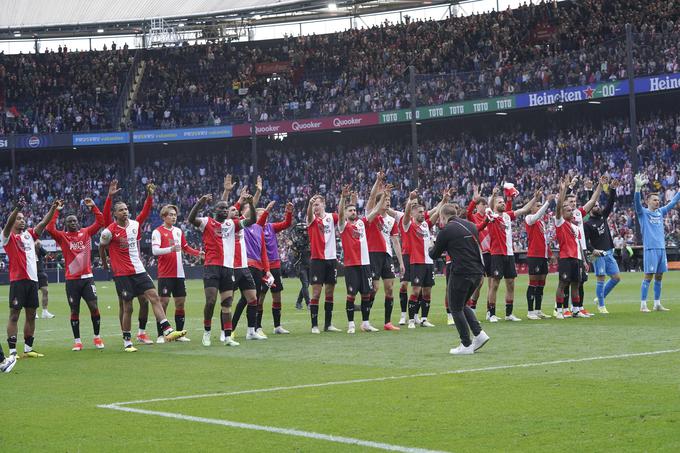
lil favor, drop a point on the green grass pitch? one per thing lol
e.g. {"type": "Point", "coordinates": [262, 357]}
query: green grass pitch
{"type": "Point", "coordinates": [573, 385]}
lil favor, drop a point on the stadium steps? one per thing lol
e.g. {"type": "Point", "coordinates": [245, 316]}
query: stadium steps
{"type": "Point", "coordinates": [134, 89]}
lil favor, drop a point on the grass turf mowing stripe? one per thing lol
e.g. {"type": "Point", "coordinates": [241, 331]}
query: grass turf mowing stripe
{"type": "Point", "coordinates": [391, 378]}
{"type": "Point", "coordinates": [274, 429]}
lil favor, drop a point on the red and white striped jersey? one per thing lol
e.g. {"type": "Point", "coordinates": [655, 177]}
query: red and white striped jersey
{"type": "Point", "coordinates": [500, 232]}
{"type": "Point", "coordinates": [355, 243]}
{"type": "Point", "coordinates": [405, 246]}
{"type": "Point", "coordinates": [322, 236]}
{"type": "Point", "coordinates": [123, 248]}
{"type": "Point", "coordinates": [538, 241]}
{"type": "Point", "coordinates": [568, 237]}
{"type": "Point", "coordinates": [170, 263]}
{"type": "Point", "coordinates": [420, 241]}
{"type": "Point", "coordinates": [223, 243]}
{"type": "Point", "coordinates": [380, 232]}
{"type": "Point", "coordinates": [76, 246]}
{"type": "Point", "coordinates": [20, 248]}
{"type": "Point", "coordinates": [577, 220]}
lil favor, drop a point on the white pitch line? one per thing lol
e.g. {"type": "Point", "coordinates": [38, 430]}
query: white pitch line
{"type": "Point", "coordinates": [275, 430]}
{"type": "Point", "coordinates": [392, 378]}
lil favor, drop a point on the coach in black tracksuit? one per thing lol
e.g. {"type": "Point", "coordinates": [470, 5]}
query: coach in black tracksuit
{"type": "Point", "coordinates": [461, 241]}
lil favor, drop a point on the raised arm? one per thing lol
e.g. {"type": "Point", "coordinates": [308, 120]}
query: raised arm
{"type": "Point", "coordinates": [611, 198]}
{"type": "Point", "coordinates": [533, 218]}
{"type": "Point", "coordinates": [258, 191]}
{"type": "Point", "coordinates": [287, 220]}
{"type": "Point", "coordinates": [377, 208]}
{"type": "Point", "coordinates": [596, 194]}
{"type": "Point", "coordinates": [262, 220]}
{"type": "Point", "coordinates": [113, 190]}
{"type": "Point", "coordinates": [406, 218]}
{"type": "Point", "coordinates": [227, 186]}
{"type": "Point", "coordinates": [252, 216]}
{"type": "Point", "coordinates": [98, 217]}
{"type": "Point", "coordinates": [527, 207]}
{"type": "Point", "coordinates": [446, 196]}
{"type": "Point", "coordinates": [40, 227]}
{"type": "Point", "coordinates": [148, 203]}
{"type": "Point", "coordinates": [671, 204]}
{"type": "Point", "coordinates": [492, 201]}
{"type": "Point", "coordinates": [562, 196]}
{"type": "Point", "coordinates": [310, 210]}
{"type": "Point", "coordinates": [377, 187]}
{"type": "Point", "coordinates": [207, 198]}
{"type": "Point", "coordinates": [341, 206]}
{"type": "Point", "coordinates": [18, 206]}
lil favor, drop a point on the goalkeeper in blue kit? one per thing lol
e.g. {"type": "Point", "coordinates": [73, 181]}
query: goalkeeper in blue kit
{"type": "Point", "coordinates": [651, 221]}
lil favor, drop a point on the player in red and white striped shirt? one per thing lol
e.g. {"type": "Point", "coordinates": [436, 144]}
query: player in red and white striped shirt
{"type": "Point", "coordinates": [168, 243]}
{"type": "Point", "coordinates": [502, 254]}
{"type": "Point", "coordinates": [570, 262]}
{"type": "Point", "coordinates": [19, 245]}
{"type": "Point", "coordinates": [417, 230]}
{"type": "Point", "coordinates": [76, 247]}
{"type": "Point", "coordinates": [383, 245]}
{"type": "Point", "coordinates": [121, 239]}
{"type": "Point", "coordinates": [324, 262]}
{"type": "Point", "coordinates": [143, 314]}
{"type": "Point", "coordinates": [537, 257]}
{"type": "Point", "coordinates": [476, 213]}
{"type": "Point", "coordinates": [353, 233]}
{"type": "Point", "coordinates": [226, 264]}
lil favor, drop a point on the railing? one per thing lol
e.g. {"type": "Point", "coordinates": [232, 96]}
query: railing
{"type": "Point", "coordinates": [125, 91]}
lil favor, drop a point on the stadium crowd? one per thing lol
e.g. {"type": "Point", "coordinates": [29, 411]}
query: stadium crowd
{"type": "Point", "coordinates": [529, 160]}
{"type": "Point", "coordinates": [533, 47]}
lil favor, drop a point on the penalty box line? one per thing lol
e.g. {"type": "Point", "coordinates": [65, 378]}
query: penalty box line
{"type": "Point", "coordinates": [124, 406]}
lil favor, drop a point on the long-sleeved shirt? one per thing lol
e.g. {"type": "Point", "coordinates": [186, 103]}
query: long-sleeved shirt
{"type": "Point", "coordinates": [598, 236]}
{"type": "Point", "coordinates": [141, 218]}
{"type": "Point", "coordinates": [460, 239]}
{"type": "Point", "coordinates": [651, 222]}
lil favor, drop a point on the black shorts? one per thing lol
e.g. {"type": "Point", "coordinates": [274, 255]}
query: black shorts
{"type": "Point", "coordinates": [323, 272]}
{"type": "Point", "coordinates": [82, 288]}
{"type": "Point", "coordinates": [503, 266]}
{"type": "Point", "coordinates": [174, 287]}
{"type": "Point", "coordinates": [569, 269]}
{"type": "Point", "coordinates": [23, 294]}
{"type": "Point", "coordinates": [278, 284]}
{"type": "Point", "coordinates": [42, 280]}
{"type": "Point", "coordinates": [130, 286]}
{"type": "Point", "coordinates": [422, 275]}
{"type": "Point", "coordinates": [406, 276]}
{"type": "Point", "coordinates": [381, 265]}
{"type": "Point", "coordinates": [487, 264]}
{"type": "Point", "coordinates": [256, 275]}
{"type": "Point", "coordinates": [358, 280]}
{"type": "Point", "coordinates": [243, 279]}
{"type": "Point", "coordinates": [537, 266]}
{"type": "Point", "coordinates": [219, 277]}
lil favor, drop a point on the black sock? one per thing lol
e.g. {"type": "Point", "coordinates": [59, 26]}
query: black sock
{"type": "Point", "coordinates": [538, 297]}
{"type": "Point", "coordinates": [179, 319]}
{"type": "Point", "coordinates": [403, 301]}
{"type": "Point", "coordinates": [565, 304]}
{"type": "Point", "coordinates": [165, 326]}
{"type": "Point", "coordinates": [531, 291]}
{"type": "Point", "coordinates": [314, 312]}
{"type": "Point", "coordinates": [580, 294]}
{"type": "Point", "coordinates": [420, 304]}
{"type": "Point", "coordinates": [251, 314]}
{"type": "Point", "coordinates": [127, 336]}
{"type": "Point", "coordinates": [446, 305]}
{"type": "Point", "coordinates": [508, 309]}
{"type": "Point", "coordinates": [28, 341]}
{"type": "Point", "coordinates": [2, 355]}
{"type": "Point", "coordinates": [412, 307]}
{"type": "Point", "coordinates": [142, 324]}
{"type": "Point", "coordinates": [349, 308]}
{"type": "Point", "coordinates": [75, 325]}
{"type": "Point", "coordinates": [276, 314]}
{"type": "Point", "coordinates": [389, 303]}
{"type": "Point", "coordinates": [425, 307]}
{"type": "Point", "coordinates": [159, 328]}
{"type": "Point", "coordinates": [240, 306]}
{"type": "Point", "coordinates": [96, 322]}
{"type": "Point", "coordinates": [365, 309]}
{"type": "Point", "coordinates": [328, 313]}
{"type": "Point", "coordinates": [260, 311]}
{"type": "Point", "coordinates": [492, 310]}
{"type": "Point", "coordinates": [12, 342]}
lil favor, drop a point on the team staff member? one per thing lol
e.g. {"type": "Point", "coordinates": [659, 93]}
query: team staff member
{"type": "Point", "coordinates": [460, 239]}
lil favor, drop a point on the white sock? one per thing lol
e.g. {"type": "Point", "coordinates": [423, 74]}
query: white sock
{"type": "Point", "coordinates": [140, 331]}
{"type": "Point", "coordinates": [77, 340]}
{"type": "Point", "coordinates": [127, 343]}
{"type": "Point", "coordinates": [251, 330]}
{"type": "Point", "coordinates": [13, 351]}
{"type": "Point", "coordinates": [657, 303]}
{"type": "Point", "coordinates": [403, 314]}
{"type": "Point", "coordinates": [643, 304]}
{"type": "Point", "coordinates": [27, 349]}
{"type": "Point", "coordinates": [97, 336]}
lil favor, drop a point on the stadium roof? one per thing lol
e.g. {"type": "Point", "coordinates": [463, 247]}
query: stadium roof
{"type": "Point", "coordinates": [49, 18]}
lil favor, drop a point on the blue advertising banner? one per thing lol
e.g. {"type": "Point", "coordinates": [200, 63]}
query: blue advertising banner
{"type": "Point", "coordinates": [173, 135]}
{"type": "Point", "coordinates": [109, 138]}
